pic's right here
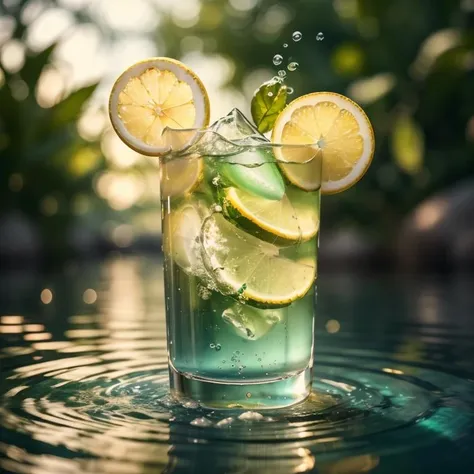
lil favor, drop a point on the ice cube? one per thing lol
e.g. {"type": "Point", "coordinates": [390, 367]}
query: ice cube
{"type": "Point", "coordinates": [251, 323]}
{"type": "Point", "coordinates": [237, 128]}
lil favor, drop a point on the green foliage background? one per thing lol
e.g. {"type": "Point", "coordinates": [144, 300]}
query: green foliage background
{"type": "Point", "coordinates": [410, 63]}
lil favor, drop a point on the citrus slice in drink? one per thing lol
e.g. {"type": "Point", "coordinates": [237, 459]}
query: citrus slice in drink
{"type": "Point", "coordinates": [155, 94]}
{"type": "Point", "coordinates": [294, 217]}
{"type": "Point", "coordinates": [181, 234]}
{"type": "Point", "coordinates": [247, 267]}
{"type": "Point", "coordinates": [181, 176]}
{"type": "Point", "coordinates": [181, 228]}
{"type": "Point", "coordinates": [338, 132]}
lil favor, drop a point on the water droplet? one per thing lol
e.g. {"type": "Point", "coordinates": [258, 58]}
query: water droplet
{"type": "Point", "coordinates": [293, 66]}
{"type": "Point", "coordinates": [201, 422]}
{"type": "Point", "coordinates": [285, 45]}
{"type": "Point", "coordinates": [290, 90]}
{"type": "Point", "coordinates": [218, 347]}
{"type": "Point", "coordinates": [277, 59]}
{"type": "Point", "coordinates": [191, 404]}
{"type": "Point", "coordinates": [251, 416]}
{"type": "Point", "coordinates": [297, 35]}
{"type": "Point", "coordinates": [282, 73]}
{"type": "Point", "coordinates": [225, 422]}
{"type": "Point", "coordinates": [320, 36]}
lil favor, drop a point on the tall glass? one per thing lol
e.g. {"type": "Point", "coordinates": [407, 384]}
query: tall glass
{"type": "Point", "coordinates": [240, 271]}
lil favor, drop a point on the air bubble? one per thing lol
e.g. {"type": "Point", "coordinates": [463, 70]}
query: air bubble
{"type": "Point", "coordinates": [282, 73]}
{"type": "Point", "coordinates": [277, 59]}
{"type": "Point", "coordinates": [218, 347]}
{"type": "Point", "coordinates": [290, 90]}
{"type": "Point", "coordinates": [320, 36]}
{"type": "Point", "coordinates": [297, 35]}
{"type": "Point", "coordinates": [270, 94]}
{"type": "Point", "coordinates": [293, 66]}
{"type": "Point", "coordinates": [285, 45]}
{"type": "Point", "coordinates": [212, 345]}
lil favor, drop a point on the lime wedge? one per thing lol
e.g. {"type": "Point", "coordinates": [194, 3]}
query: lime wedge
{"type": "Point", "coordinates": [245, 266]}
{"type": "Point", "coordinates": [255, 172]}
{"type": "Point", "coordinates": [295, 217]}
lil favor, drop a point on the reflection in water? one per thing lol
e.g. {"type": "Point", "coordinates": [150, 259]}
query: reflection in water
{"type": "Point", "coordinates": [86, 386]}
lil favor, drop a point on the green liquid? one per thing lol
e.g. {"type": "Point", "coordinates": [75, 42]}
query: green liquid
{"type": "Point", "coordinates": [204, 344]}
{"type": "Point", "coordinates": [224, 348]}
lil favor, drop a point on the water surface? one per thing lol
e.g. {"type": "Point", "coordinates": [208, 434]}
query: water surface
{"type": "Point", "coordinates": [84, 381]}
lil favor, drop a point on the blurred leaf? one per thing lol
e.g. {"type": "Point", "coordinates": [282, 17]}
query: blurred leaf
{"type": "Point", "coordinates": [408, 144]}
{"type": "Point", "coordinates": [68, 110]}
{"type": "Point", "coordinates": [51, 144]}
{"type": "Point", "coordinates": [269, 100]}
{"type": "Point", "coordinates": [348, 59]}
{"type": "Point", "coordinates": [34, 65]}
{"type": "Point", "coordinates": [83, 161]}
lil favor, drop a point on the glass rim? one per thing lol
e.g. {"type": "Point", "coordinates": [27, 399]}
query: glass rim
{"type": "Point", "coordinates": [189, 146]}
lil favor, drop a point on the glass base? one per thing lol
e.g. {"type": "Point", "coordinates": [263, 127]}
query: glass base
{"type": "Point", "coordinates": [250, 395]}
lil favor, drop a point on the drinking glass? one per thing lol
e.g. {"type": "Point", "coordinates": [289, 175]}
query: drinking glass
{"type": "Point", "coordinates": [240, 252]}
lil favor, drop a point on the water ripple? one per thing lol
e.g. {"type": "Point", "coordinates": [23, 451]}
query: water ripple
{"type": "Point", "coordinates": [91, 395]}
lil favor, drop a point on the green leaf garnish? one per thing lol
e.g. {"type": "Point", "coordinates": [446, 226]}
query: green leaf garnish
{"type": "Point", "coordinates": [267, 103]}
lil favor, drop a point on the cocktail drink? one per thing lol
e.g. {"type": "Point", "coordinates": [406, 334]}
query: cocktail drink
{"type": "Point", "coordinates": [240, 216]}
{"type": "Point", "coordinates": [240, 248]}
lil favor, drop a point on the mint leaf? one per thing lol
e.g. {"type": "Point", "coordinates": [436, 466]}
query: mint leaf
{"type": "Point", "coordinates": [267, 103]}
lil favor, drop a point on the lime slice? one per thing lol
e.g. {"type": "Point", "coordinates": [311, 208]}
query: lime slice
{"type": "Point", "coordinates": [305, 252]}
{"type": "Point", "coordinates": [180, 176]}
{"type": "Point", "coordinates": [250, 268]}
{"type": "Point", "coordinates": [253, 171]}
{"type": "Point", "coordinates": [295, 217]}
{"type": "Point", "coordinates": [336, 130]}
{"type": "Point", "coordinates": [152, 95]}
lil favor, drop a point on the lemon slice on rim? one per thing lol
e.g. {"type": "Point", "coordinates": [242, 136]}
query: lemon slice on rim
{"type": "Point", "coordinates": [340, 134]}
{"type": "Point", "coordinates": [152, 95]}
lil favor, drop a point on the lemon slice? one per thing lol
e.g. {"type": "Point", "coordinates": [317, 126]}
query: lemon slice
{"type": "Point", "coordinates": [295, 217]}
{"type": "Point", "coordinates": [152, 95]}
{"type": "Point", "coordinates": [340, 134]}
{"type": "Point", "coordinates": [243, 265]}
{"type": "Point", "coordinates": [181, 176]}
{"type": "Point", "coordinates": [181, 239]}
